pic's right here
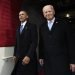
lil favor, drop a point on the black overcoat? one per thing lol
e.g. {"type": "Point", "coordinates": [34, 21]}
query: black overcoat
{"type": "Point", "coordinates": [26, 44]}
{"type": "Point", "coordinates": [55, 47]}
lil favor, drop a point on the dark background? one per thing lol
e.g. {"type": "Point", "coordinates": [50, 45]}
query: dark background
{"type": "Point", "coordinates": [63, 8]}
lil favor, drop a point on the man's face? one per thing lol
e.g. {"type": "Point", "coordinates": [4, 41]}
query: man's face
{"type": "Point", "coordinates": [48, 12]}
{"type": "Point", "coordinates": [23, 16]}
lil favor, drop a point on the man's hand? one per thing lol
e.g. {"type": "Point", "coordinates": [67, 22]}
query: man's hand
{"type": "Point", "coordinates": [41, 61]}
{"type": "Point", "coordinates": [72, 67]}
{"type": "Point", "coordinates": [26, 60]}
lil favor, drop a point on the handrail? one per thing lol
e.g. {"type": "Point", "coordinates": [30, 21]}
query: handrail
{"type": "Point", "coordinates": [7, 57]}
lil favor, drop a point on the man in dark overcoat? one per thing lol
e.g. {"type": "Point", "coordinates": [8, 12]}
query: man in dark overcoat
{"type": "Point", "coordinates": [56, 51]}
{"type": "Point", "coordinates": [25, 48]}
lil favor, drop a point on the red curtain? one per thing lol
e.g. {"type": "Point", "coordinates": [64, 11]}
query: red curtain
{"type": "Point", "coordinates": [8, 21]}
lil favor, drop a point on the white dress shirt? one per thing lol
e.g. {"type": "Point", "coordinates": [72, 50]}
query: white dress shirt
{"type": "Point", "coordinates": [23, 23]}
{"type": "Point", "coordinates": [22, 26]}
{"type": "Point", "coordinates": [50, 23]}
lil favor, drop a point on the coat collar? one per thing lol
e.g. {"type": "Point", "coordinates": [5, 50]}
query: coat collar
{"type": "Point", "coordinates": [53, 27]}
{"type": "Point", "coordinates": [24, 29]}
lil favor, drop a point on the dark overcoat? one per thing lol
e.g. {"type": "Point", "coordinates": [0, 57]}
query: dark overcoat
{"type": "Point", "coordinates": [26, 44]}
{"type": "Point", "coordinates": [55, 47]}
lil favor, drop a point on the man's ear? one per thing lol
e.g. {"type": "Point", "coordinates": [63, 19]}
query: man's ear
{"type": "Point", "coordinates": [27, 16]}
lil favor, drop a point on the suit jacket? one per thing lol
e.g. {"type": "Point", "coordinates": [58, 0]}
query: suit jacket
{"type": "Point", "coordinates": [55, 46]}
{"type": "Point", "coordinates": [26, 42]}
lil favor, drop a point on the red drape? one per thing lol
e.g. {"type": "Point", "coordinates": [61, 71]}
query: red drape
{"type": "Point", "coordinates": [8, 21]}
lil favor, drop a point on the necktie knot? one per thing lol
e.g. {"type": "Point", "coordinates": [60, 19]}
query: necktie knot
{"type": "Point", "coordinates": [50, 25]}
{"type": "Point", "coordinates": [21, 28]}
{"type": "Point", "coordinates": [49, 22]}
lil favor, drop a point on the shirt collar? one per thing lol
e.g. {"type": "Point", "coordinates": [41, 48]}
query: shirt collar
{"type": "Point", "coordinates": [52, 21]}
{"type": "Point", "coordinates": [23, 23]}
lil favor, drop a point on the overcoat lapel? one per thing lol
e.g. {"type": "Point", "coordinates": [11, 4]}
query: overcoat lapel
{"type": "Point", "coordinates": [25, 28]}
{"type": "Point", "coordinates": [53, 27]}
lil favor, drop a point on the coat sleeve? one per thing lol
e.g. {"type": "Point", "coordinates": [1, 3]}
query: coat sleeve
{"type": "Point", "coordinates": [41, 46]}
{"type": "Point", "coordinates": [16, 44]}
{"type": "Point", "coordinates": [71, 43]}
{"type": "Point", "coordinates": [34, 41]}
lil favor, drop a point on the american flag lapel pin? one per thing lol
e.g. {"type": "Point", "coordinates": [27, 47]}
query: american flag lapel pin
{"type": "Point", "coordinates": [56, 22]}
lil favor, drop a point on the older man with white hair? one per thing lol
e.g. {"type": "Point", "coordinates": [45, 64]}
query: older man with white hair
{"type": "Point", "coordinates": [55, 45]}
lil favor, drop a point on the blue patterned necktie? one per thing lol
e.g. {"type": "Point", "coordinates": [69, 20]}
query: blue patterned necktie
{"type": "Point", "coordinates": [21, 28]}
{"type": "Point", "coordinates": [50, 25]}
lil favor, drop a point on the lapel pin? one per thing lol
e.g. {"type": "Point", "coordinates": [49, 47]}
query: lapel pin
{"type": "Point", "coordinates": [56, 22]}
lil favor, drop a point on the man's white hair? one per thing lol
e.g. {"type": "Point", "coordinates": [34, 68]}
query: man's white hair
{"type": "Point", "coordinates": [48, 6]}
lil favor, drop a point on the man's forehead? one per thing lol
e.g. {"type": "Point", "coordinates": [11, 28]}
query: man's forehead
{"type": "Point", "coordinates": [47, 7]}
{"type": "Point", "coordinates": [22, 12]}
